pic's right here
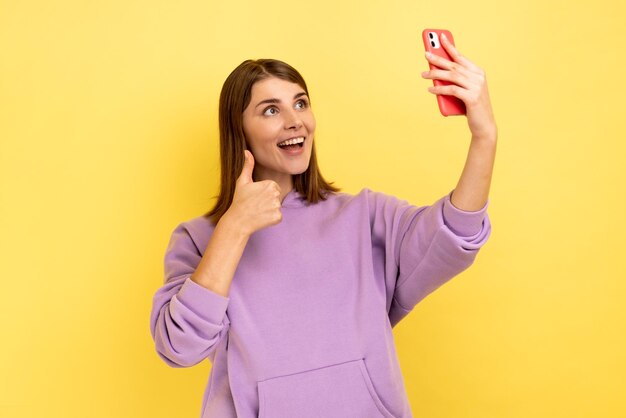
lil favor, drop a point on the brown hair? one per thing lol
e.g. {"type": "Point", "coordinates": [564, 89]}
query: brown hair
{"type": "Point", "coordinates": [234, 98]}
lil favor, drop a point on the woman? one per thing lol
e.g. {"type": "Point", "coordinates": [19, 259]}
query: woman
{"type": "Point", "coordinates": [290, 287]}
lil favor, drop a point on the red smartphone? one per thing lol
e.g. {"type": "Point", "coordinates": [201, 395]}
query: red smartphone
{"type": "Point", "coordinates": [448, 105]}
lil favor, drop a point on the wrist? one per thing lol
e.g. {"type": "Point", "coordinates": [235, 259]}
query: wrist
{"type": "Point", "coordinates": [231, 222]}
{"type": "Point", "coordinates": [489, 140]}
{"type": "Point", "coordinates": [486, 135]}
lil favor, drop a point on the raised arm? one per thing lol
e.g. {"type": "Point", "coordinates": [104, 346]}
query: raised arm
{"type": "Point", "coordinates": [470, 85]}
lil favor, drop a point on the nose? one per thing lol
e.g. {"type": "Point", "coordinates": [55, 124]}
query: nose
{"type": "Point", "coordinates": [292, 120]}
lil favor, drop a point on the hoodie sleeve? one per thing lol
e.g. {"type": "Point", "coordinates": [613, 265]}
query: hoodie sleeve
{"type": "Point", "coordinates": [187, 320]}
{"type": "Point", "coordinates": [422, 247]}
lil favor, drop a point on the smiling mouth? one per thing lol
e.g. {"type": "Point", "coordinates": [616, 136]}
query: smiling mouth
{"type": "Point", "coordinates": [292, 143]}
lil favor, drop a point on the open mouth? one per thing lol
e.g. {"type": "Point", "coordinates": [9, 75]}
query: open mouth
{"type": "Point", "coordinates": [291, 144]}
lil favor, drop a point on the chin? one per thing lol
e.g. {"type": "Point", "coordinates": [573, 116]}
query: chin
{"type": "Point", "coordinates": [296, 172]}
{"type": "Point", "coordinates": [302, 168]}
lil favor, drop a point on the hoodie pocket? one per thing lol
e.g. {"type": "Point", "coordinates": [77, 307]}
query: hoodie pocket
{"type": "Point", "coordinates": [341, 390]}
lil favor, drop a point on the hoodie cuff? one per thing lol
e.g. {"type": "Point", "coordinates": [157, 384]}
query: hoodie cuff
{"type": "Point", "coordinates": [207, 304]}
{"type": "Point", "coordinates": [463, 223]}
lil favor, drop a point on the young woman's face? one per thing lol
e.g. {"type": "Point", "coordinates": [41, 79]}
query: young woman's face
{"type": "Point", "coordinates": [279, 110]}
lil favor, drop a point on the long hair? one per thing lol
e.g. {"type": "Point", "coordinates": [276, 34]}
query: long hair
{"type": "Point", "coordinates": [234, 98]}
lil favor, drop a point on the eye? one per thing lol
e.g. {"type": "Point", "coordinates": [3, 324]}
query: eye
{"type": "Point", "coordinates": [270, 111]}
{"type": "Point", "coordinates": [301, 104]}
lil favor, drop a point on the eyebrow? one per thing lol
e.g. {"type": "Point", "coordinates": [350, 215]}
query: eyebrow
{"type": "Point", "coordinates": [278, 101]}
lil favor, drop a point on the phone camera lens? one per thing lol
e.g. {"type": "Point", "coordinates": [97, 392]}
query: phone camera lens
{"type": "Point", "coordinates": [431, 35]}
{"type": "Point", "coordinates": [432, 43]}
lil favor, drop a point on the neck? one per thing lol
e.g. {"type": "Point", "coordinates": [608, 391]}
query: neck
{"type": "Point", "coordinates": [285, 188]}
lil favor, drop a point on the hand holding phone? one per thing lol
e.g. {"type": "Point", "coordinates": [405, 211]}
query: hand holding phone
{"type": "Point", "coordinates": [448, 105]}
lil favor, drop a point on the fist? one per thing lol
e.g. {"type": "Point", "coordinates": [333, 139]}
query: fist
{"type": "Point", "coordinates": [256, 204]}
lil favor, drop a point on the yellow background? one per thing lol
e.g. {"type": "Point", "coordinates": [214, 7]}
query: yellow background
{"type": "Point", "coordinates": [109, 139]}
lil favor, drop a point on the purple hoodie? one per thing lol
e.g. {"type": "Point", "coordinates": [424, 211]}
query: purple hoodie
{"type": "Point", "coordinates": [306, 330]}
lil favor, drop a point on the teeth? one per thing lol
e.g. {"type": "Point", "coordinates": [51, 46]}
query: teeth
{"type": "Point", "coordinates": [292, 141]}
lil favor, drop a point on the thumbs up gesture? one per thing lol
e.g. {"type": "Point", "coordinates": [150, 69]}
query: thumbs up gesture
{"type": "Point", "coordinates": [256, 204]}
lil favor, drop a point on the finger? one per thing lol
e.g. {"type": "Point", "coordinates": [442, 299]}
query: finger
{"type": "Point", "coordinates": [455, 77]}
{"type": "Point", "coordinates": [460, 76]}
{"type": "Point", "coordinates": [450, 48]}
{"type": "Point", "coordinates": [445, 64]}
{"type": "Point", "coordinates": [456, 55]}
{"type": "Point", "coordinates": [450, 90]}
{"type": "Point", "coordinates": [442, 63]}
{"type": "Point", "coordinates": [248, 167]}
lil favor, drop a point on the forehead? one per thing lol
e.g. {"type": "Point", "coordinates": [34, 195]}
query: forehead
{"type": "Point", "coordinates": [274, 87]}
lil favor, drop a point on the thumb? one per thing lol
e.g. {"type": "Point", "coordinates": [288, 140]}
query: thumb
{"type": "Point", "coordinates": [248, 166]}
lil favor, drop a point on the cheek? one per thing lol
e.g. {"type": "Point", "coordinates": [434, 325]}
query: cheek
{"type": "Point", "coordinates": [310, 123]}
{"type": "Point", "coordinates": [258, 134]}
{"type": "Point", "coordinates": [248, 131]}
